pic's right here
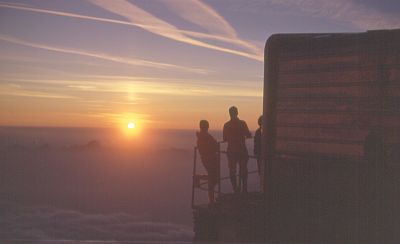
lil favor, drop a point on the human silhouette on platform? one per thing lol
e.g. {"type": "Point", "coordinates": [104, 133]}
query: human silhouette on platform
{"type": "Point", "coordinates": [257, 151]}
{"type": "Point", "coordinates": [208, 149]}
{"type": "Point", "coordinates": [235, 133]}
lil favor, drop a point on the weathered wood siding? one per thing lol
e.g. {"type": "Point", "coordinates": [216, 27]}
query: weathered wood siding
{"type": "Point", "coordinates": [323, 95]}
{"type": "Point", "coordinates": [332, 93]}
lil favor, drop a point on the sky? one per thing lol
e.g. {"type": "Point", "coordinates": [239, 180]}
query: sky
{"type": "Point", "coordinates": [159, 63]}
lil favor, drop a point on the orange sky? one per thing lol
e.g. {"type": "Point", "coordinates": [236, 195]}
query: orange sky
{"type": "Point", "coordinates": [99, 63]}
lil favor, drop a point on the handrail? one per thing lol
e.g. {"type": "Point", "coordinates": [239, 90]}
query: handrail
{"type": "Point", "coordinates": [201, 184]}
{"type": "Point", "coordinates": [223, 178]}
{"type": "Point", "coordinates": [194, 173]}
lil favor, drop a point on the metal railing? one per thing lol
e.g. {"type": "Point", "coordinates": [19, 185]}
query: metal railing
{"type": "Point", "coordinates": [198, 178]}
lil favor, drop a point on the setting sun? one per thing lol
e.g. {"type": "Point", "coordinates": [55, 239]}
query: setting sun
{"type": "Point", "coordinates": [131, 125]}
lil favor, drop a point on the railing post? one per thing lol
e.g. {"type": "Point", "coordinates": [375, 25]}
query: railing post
{"type": "Point", "coordinates": [219, 169]}
{"type": "Point", "coordinates": [220, 179]}
{"type": "Point", "coordinates": [194, 173]}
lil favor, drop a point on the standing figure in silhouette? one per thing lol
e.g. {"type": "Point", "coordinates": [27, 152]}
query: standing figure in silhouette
{"type": "Point", "coordinates": [235, 133]}
{"type": "Point", "coordinates": [257, 151]}
{"type": "Point", "coordinates": [208, 149]}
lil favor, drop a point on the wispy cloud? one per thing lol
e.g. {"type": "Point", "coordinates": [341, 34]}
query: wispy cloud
{"type": "Point", "coordinates": [17, 90]}
{"type": "Point", "coordinates": [103, 56]}
{"type": "Point", "coordinates": [158, 26]}
{"type": "Point", "coordinates": [65, 14]}
{"type": "Point", "coordinates": [358, 14]}
{"type": "Point", "coordinates": [201, 14]}
{"type": "Point", "coordinates": [14, 4]}
{"type": "Point", "coordinates": [127, 88]}
{"type": "Point", "coordinates": [154, 25]}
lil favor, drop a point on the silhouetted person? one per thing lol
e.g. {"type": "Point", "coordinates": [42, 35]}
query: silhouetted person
{"type": "Point", "coordinates": [235, 133]}
{"type": "Point", "coordinates": [257, 151]}
{"type": "Point", "coordinates": [257, 144]}
{"type": "Point", "coordinates": [208, 148]}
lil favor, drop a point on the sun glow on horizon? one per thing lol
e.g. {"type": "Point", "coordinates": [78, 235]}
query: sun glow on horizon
{"type": "Point", "coordinates": [131, 125]}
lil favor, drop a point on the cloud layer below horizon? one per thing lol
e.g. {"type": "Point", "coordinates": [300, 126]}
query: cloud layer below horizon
{"type": "Point", "coordinates": [48, 223]}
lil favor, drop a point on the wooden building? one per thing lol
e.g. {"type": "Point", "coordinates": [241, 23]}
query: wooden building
{"type": "Point", "coordinates": [331, 143]}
